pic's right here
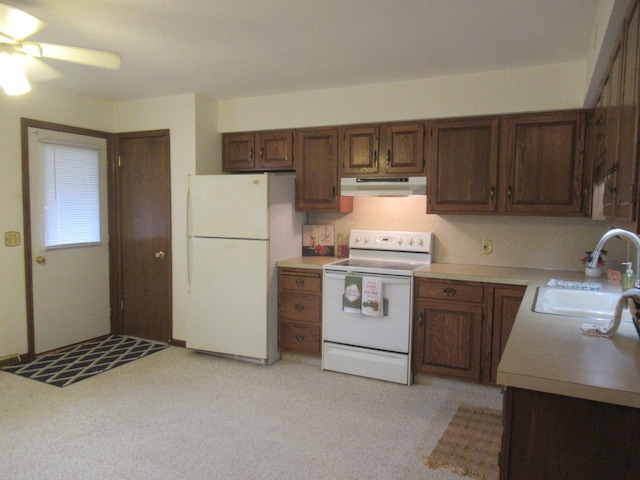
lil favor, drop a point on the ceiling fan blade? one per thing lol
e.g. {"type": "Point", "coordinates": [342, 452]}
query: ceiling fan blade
{"type": "Point", "coordinates": [16, 24]}
{"type": "Point", "coordinates": [84, 56]}
{"type": "Point", "coordinates": [37, 70]}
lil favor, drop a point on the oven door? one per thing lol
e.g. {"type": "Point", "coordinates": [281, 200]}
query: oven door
{"type": "Point", "coordinates": [391, 332]}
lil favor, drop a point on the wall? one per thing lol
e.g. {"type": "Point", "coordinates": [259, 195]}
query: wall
{"type": "Point", "coordinates": [46, 105]}
{"type": "Point", "coordinates": [193, 146]}
{"type": "Point", "coordinates": [532, 242]}
{"type": "Point", "coordinates": [547, 87]}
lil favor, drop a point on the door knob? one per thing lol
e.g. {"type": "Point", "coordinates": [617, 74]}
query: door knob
{"type": "Point", "coordinates": [160, 254]}
{"type": "Point", "coordinates": [40, 259]}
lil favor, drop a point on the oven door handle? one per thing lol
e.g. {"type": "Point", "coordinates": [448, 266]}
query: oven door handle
{"type": "Point", "coordinates": [388, 279]}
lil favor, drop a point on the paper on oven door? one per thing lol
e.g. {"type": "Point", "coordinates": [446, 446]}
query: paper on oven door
{"type": "Point", "coordinates": [352, 295]}
{"type": "Point", "coordinates": [372, 302]}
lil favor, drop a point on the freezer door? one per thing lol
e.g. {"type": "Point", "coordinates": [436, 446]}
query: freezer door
{"type": "Point", "coordinates": [229, 206]}
{"type": "Point", "coordinates": [227, 306]}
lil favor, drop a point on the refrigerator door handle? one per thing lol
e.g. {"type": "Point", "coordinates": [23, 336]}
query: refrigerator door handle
{"type": "Point", "coordinates": [188, 235]}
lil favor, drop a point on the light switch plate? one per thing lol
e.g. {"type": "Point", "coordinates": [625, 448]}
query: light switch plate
{"type": "Point", "coordinates": [12, 239]}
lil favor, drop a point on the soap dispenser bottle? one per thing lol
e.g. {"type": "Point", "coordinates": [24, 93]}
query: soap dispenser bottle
{"type": "Point", "coordinates": [628, 279]}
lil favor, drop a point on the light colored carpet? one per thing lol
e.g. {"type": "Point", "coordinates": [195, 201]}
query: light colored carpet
{"type": "Point", "coordinates": [183, 415]}
{"type": "Point", "coordinates": [470, 444]}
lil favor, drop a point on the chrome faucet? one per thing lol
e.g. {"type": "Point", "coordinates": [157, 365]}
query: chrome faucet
{"type": "Point", "coordinates": [617, 232]}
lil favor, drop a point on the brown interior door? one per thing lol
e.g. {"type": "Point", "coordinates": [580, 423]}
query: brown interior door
{"type": "Point", "coordinates": [144, 234]}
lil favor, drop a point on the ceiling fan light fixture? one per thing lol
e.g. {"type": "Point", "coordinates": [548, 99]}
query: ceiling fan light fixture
{"type": "Point", "coordinates": [12, 78]}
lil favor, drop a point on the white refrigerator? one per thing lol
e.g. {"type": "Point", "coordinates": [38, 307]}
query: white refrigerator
{"type": "Point", "coordinates": [239, 226]}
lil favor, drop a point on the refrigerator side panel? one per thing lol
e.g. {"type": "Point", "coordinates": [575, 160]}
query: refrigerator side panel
{"type": "Point", "coordinates": [227, 310]}
{"type": "Point", "coordinates": [229, 206]}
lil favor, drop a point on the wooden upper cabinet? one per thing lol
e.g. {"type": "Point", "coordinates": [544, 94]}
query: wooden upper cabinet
{"type": "Point", "coordinates": [625, 203]}
{"type": "Point", "coordinates": [238, 152]}
{"type": "Point", "coordinates": [402, 149]}
{"type": "Point", "coordinates": [543, 158]}
{"type": "Point", "coordinates": [317, 182]}
{"type": "Point", "coordinates": [258, 151]}
{"type": "Point", "coordinates": [382, 150]}
{"type": "Point", "coordinates": [462, 166]}
{"type": "Point", "coordinates": [359, 150]}
{"type": "Point", "coordinates": [612, 96]}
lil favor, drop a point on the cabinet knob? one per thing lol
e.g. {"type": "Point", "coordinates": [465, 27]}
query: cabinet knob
{"type": "Point", "coordinates": [300, 282]}
{"type": "Point", "coordinates": [450, 292]}
{"type": "Point", "coordinates": [299, 337]}
{"type": "Point", "coordinates": [299, 307]}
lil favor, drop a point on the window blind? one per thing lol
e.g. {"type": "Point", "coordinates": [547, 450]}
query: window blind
{"type": "Point", "coordinates": [72, 195]}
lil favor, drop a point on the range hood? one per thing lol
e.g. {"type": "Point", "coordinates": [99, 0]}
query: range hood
{"type": "Point", "coordinates": [383, 186]}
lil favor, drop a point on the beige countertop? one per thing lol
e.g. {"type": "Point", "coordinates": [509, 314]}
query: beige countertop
{"type": "Point", "coordinates": [548, 353]}
{"type": "Point", "coordinates": [307, 262]}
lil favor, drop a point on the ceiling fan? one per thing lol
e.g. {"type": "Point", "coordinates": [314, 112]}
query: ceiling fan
{"type": "Point", "coordinates": [16, 53]}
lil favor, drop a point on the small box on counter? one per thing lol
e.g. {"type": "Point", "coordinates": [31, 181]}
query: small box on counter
{"type": "Point", "coordinates": [318, 240]}
{"type": "Point", "coordinates": [614, 276]}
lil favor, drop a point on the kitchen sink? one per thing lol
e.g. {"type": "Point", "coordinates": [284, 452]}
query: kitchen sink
{"type": "Point", "coordinates": [578, 303]}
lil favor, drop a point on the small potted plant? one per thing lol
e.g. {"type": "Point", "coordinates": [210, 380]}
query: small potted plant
{"type": "Point", "coordinates": [593, 271]}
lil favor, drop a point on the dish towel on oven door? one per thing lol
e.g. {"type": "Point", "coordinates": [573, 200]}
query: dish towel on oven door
{"type": "Point", "coordinates": [362, 295]}
{"type": "Point", "coordinates": [352, 295]}
{"type": "Point", "coordinates": [372, 296]}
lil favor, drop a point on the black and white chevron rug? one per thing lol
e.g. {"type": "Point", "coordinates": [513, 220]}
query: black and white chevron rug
{"type": "Point", "coordinates": [85, 360]}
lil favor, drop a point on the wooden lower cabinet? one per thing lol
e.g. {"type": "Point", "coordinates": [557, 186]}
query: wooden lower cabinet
{"type": "Point", "coordinates": [300, 310]}
{"type": "Point", "coordinates": [556, 437]}
{"type": "Point", "coordinates": [448, 329]}
{"type": "Point", "coordinates": [506, 303]}
{"type": "Point", "coordinates": [460, 328]}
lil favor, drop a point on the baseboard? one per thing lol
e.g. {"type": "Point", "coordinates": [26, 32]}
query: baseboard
{"type": "Point", "coordinates": [10, 360]}
{"type": "Point", "coordinates": [178, 343]}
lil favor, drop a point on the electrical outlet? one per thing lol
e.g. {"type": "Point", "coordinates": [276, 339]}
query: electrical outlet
{"type": "Point", "coordinates": [12, 239]}
{"type": "Point", "coordinates": [487, 246]}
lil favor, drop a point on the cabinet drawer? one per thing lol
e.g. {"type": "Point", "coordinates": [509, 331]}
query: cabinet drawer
{"type": "Point", "coordinates": [450, 290]}
{"type": "Point", "coordinates": [299, 307]}
{"type": "Point", "coordinates": [301, 283]}
{"type": "Point", "coordinates": [299, 338]}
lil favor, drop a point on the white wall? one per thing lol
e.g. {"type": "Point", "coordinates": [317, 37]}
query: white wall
{"type": "Point", "coordinates": [46, 105]}
{"type": "Point", "coordinates": [549, 87]}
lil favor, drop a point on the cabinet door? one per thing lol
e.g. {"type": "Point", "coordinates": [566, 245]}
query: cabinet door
{"type": "Point", "coordinates": [359, 152]}
{"type": "Point", "coordinates": [612, 95]}
{"type": "Point", "coordinates": [238, 152]}
{"type": "Point", "coordinates": [275, 150]}
{"type": "Point", "coordinates": [317, 186]}
{"type": "Point", "coordinates": [462, 161]}
{"type": "Point", "coordinates": [402, 151]}
{"type": "Point", "coordinates": [553, 436]}
{"type": "Point", "coordinates": [626, 178]}
{"type": "Point", "coordinates": [447, 339]}
{"type": "Point", "coordinates": [506, 303]}
{"type": "Point", "coordinates": [543, 157]}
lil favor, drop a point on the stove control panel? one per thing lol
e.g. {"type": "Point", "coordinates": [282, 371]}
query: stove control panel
{"type": "Point", "coordinates": [391, 240]}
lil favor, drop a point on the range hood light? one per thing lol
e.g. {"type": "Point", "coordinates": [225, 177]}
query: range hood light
{"type": "Point", "coordinates": [383, 187]}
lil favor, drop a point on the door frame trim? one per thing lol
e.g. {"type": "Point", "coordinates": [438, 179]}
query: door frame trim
{"type": "Point", "coordinates": [25, 124]}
